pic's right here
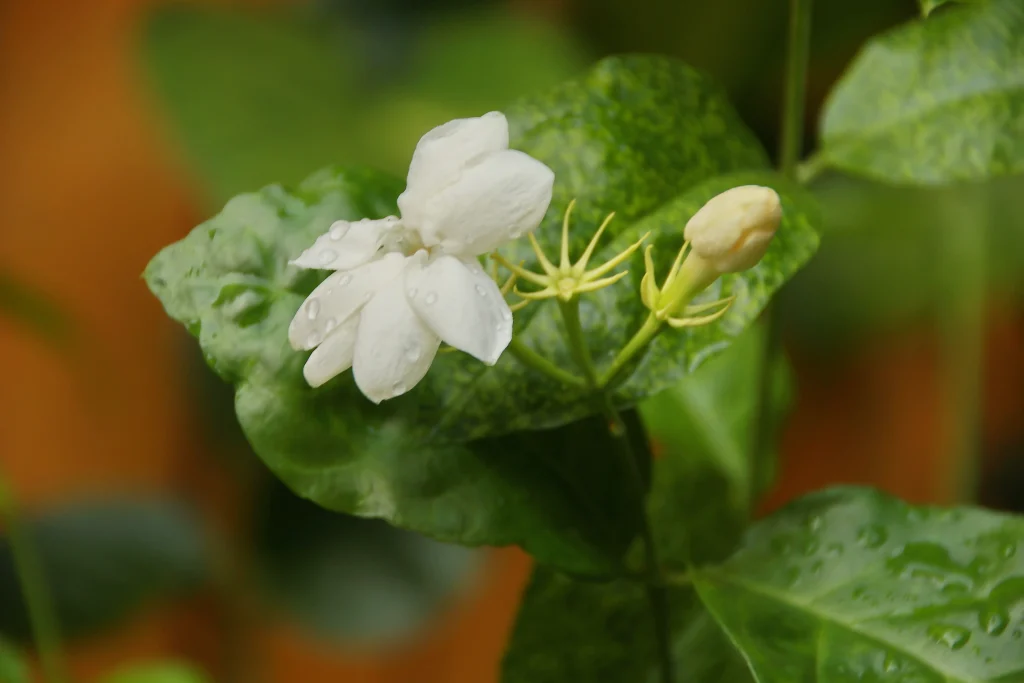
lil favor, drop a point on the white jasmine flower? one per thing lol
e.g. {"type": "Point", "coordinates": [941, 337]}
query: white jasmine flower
{"type": "Point", "coordinates": [734, 229]}
{"type": "Point", "coordinates": [404, 285]}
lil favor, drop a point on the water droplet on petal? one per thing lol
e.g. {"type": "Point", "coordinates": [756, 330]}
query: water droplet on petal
{"type": "Point", "coordinates": [328, 256]}
{"type": "Point", "coordinates": [481, 291]}
{"type": "Point", "coordinates": [398, 388]}
{"type": "Point", "coordinates": [314, 339]}
{"type": "Point", "coordinates": [345, 279]}
{"type": "Point", "coordinates": [313, 308]}
{"type": "Point", "coordinates": [330, 325]}
{"type": "Point", "coordinates": [506, 314]}
{"type": "Point", "coordinates": [413, 354]}
{"type": "Point", "coordinates": [338, 230]}
{"type": "Point", "coordinates": [953, 637]}
{"type": "Point", "coordinates": [430, 298]}
{"type": "Point", "coordinates": [412, 292]}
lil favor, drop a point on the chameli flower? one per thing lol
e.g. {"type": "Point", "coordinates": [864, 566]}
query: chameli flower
{"type": "Point", "coordinates": [403, 285]}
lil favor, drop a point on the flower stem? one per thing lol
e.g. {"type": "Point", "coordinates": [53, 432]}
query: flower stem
{"type": "Point", "coordinates": [791, 136]}
{"type": "Point", "coordinates": [799, 48]}
{"type": "Point", "coordinates": [640, 340]}
{"type": "Point", "coordinates": [531, 359]}
{"type": "Point", "coordinates": [657, 594]}
{"type": "Point", "coordinates": [38, 602]}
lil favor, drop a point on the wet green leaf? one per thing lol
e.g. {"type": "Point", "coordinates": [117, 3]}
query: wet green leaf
{"type": "Point", "coordinates": [938, 100]}
{"type": "Point", "coordinates": [843, 585]}
{"type": "Point", "coordinates": [102, 561]}
{"type": "Point", "coordinates": [851, 584]}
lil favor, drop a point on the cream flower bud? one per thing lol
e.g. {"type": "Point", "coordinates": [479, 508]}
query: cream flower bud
{"type": "Point", "coordinates": [733, 230]}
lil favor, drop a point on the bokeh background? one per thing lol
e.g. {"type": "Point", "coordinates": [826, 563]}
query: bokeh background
{"type": "Point", "coordinates": [124, 123]}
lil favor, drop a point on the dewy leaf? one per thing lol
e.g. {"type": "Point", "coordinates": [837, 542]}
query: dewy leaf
{"type": "Point", "coordinates": [103, 560]}
{"type": "Point", "coordinates": [851, 584]}
{"type": "Point", "coordinates": [654, 162]}
{"type": "Point", "coordinates": [843, 585]}
{"type": "Point", "coordinates": [938, 100]}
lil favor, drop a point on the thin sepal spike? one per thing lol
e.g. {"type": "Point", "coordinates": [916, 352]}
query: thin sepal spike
{"type": "Point", "coordinates": [520, 271]}
{"type": "Point", "coordinates": [542, 258]}
{"type": "Point", "coordinates": [539, 295]}
{"type": "Point", "coordinates": [677, 264]}
{"type": "Point", "coordinates": [598, 284]}
{"type": "Point", "coordinates": [700, 308]}
{"type": "Point", "coordinates": [581, 265]}
{"type": "Point", "coordinates": [606, 267]}
{"type": "Point", "coordinates": [649, 284]}
{"type": "Point", "coordinates": [564, 261]}
{"type": "Point", "coordinates": [695, 322]}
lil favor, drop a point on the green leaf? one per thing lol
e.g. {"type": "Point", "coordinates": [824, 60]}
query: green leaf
{"type": "Point", "coordinates": [843, 585]}
{"type": "Point", "coordinates": [929, 6]}
{"type": "Point", "coordinates": [406, 461]}
{"type": "Point", "coordinates": [851, 584]}
{"type": "Point", "coordinates": [102, 561]}
{"type": "Point", "coordinates": [158, 672]}
{"type": "Point", "coordinates": [349, 578]}
{"type": "Point", "coordinates": [13, 668]}
{"type": "Point", "coordinates": [934, 101]}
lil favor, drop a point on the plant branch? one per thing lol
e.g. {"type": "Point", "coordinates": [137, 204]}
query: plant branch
{"type": "Point", "coordinates": [793, 104]}
{"type": "Point", "coordinates": [657, 594]}
{"type": "Point", "coordinates": [531, 359]}
{"type": "Point", "coordinates": [38, 602]}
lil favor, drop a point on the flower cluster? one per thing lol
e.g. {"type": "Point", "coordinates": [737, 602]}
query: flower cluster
{"type": "Point", "coordinates": [402, 285]}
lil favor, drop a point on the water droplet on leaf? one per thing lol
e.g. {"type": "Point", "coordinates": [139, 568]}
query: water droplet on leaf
{"type": "Point", "coordinates": [953, 637]}
{"type": "Point", "coordinates": [872, 536]}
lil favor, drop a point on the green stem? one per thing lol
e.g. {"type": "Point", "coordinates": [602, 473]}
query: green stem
{"type": "Point", "coordinates": [798, 54]}
{"type": "Point", "coordinates": [531, 359]}
{"type": "Point", "coordinates": [791, 136]}
{"type": "Point", "coordinates": [962, 320]}
{"type": "Point", "coordinates": [647, 332]}
{"type": "Point", "coordinates": [41, 614]}
{"type": "Point", "coordinates": [577, 342]}
{"type": "Point", "coordinates": [657, 594]}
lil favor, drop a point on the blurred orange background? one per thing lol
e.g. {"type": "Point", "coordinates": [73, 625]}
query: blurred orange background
{"type": "Point", "coordinates": [90, 190]}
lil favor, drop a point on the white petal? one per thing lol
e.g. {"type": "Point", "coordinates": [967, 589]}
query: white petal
{"type": "Point", "coordinates": [347, 244]}
{"type": "Point", "coordinates": [338, 297]}
{"type": "Point", "coordinates": [334, 355]}
{"type": "Point", "coordinates": [462, 305]}
{"type": "Point", "coordinates": [499, 197]}
{"type": "Point", "coordinates": [394, 348]}
{"type": "Point", "coordinates": [441, 155]}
